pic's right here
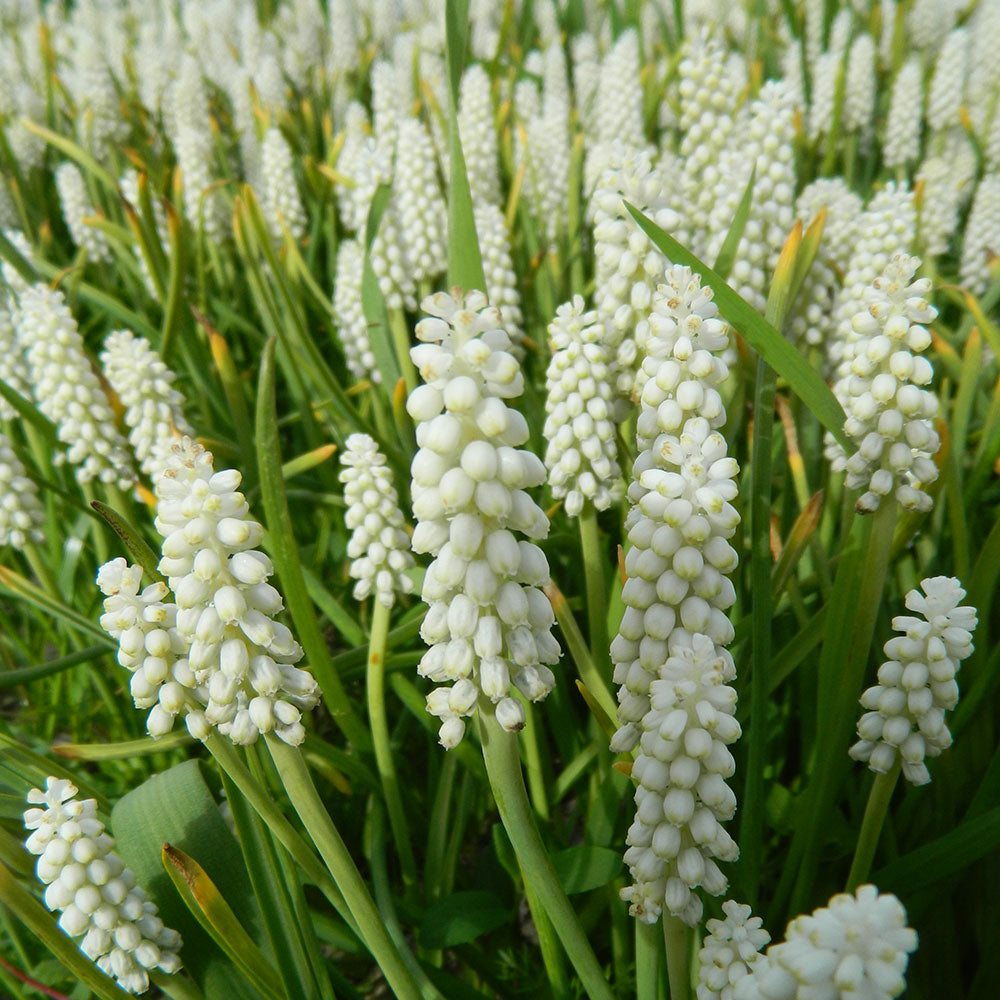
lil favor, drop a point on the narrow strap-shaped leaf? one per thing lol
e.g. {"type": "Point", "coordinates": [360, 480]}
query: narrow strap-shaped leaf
{"type": "Point", "coordinates": [372, 300]}
{"type": "Point", "coordinates": [24, 675]}
{"type": "Point", "coordinates": [804, 381]}
{"type": "Point", "coordinates": [285, 552]}
{"type": "Point", "coordinates": [205, 901]}
{"type": "Point", "coordinates": [126, 749]}
{"type": "Point", "coordinates": [30, 413]}
{"type": "Point", "coordinates": [134, 542]}
{"type": "Point", "coordinates": [727, 252]}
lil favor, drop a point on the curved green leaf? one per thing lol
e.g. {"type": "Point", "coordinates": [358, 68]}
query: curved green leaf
{"type": "Point", "coordinates": [462, 917]}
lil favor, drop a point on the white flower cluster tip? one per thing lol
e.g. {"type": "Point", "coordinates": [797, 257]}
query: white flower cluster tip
{"type": "Point", "coordinates": [144, 384]}
{"type": "Point", "coordinates": [916, 685]}
{"type": "Point", "coordinates": [888, 413]}
{"type": "Point", "coordinates": [22, 517]}
{"type": "Point", "coordinates": [582, 454]}
{"type": "Point", "coordinates": [76, 208]}
{"type": "Point", "coordinates": [856, 946]}
{"type": "Point", "coordinates": [349, 313]}
{"type": "Point", "coordinates": [488, 623]}
{"type": "Point", "coordinates": [379, 546]}
{"type": "Point", "coordinates": [729, 951]}
{"type": "Point", "coordinates": [95, 893]}
{"type": "Point", "coordinates": [281, 202]}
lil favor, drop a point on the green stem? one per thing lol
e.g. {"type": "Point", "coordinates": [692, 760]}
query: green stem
{"type": "Point", "coordinates": [647, 960]}
{"type": "Point", "coordinates": [751, 829]}
{"type": "Point", "coordinates": [503, 765]}
{"type": "Point", "coordinates": [593, 572]}
{"type": "Point", "coordinates": [380, 738]}
{"type": "Point", "coordinates": [304, 797]}
{"type": "Point", "coordinates": [42, 572]}
{"type": "Point", "coordinates": [675, 938]}
{"type": "Point", "coordinates": [401, 339]}
{"type": "Point", "coordinates": [548, 943]}
{"type": "Point", "coordinates": [871, 826]}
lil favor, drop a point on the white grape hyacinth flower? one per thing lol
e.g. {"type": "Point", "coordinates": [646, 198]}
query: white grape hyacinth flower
{"type": "Point", "coordinates": [889, 413]}
{"type": "Point", "coordinates": [729, 951]}
{"type": "Point", "coordinates": [22, 517]}
{"type": "Point", "coordinates": [423, 216]}
{"type": "Point", "coordinates": [379, 545]}
{"type": "Point", "coordinates": [857, 946]}
{"type": "Point", "coordinates": [349, 313]}
{"type": "Point", "coordinates": [582, 453]}
{"type": "Point", "coordinates": [153, 407]}
{"type": "Point", "coordinates": [916, 685]}
{"type": "Point", "coordinates": [498, 268]}
{"type": "Point", "coordinates": [226, 608]}
{"type": "Point", "coordinates": [489, 622]}
{"type": "Point", "coordinates": [982, 235]}
{"type": "Point", "coordinates": [67, 390]}
{"type": "Point", "coordinates": [13, 367]}
{"type": "Point", "coordinates": [96, 896]}
{"type": "Point", "coordinates": [76, 207]}
{"type": "Point", "coordinates": [902, 130]}
{"type": "Point", "coordinates": [281, 201]}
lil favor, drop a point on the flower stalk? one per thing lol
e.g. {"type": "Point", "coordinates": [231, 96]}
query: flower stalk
{"type": "Point", "coordinates": [871, 826]}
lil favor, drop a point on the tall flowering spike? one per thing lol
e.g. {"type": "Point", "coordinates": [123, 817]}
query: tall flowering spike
{"type": "Point", "coordinates": [824, 94]}
{"type": "Point", "coordinates": [423, 216]}
{"type": "Point", "coordinates": [767, 143]}
{"type": "Point", "coordinates": [928, 21]}
{"type": "Point", "coordinates": [859, 85]}
{"type": "Point", "coordinates": [887, 226]}
{"type": "Point", "coordinates": [67, 390]}
{"type": "Point", "coordinates": [498, 267]}
{"type": "Point", "coordinates": [670, 663]}
{"type": "Point", "coordinates": [96, 896]}
{"type": "Point", "coordinates": [902, 129]}
{"type": "Point", "coordinates": [100, 124]}
{"type": "Point", "coordinates": [810, 320]}
{"type": "Point", "coordinates": [349, 314]}
{"type": "Point", "coordinates": [76, 207]}
{"type": "Point", "coordinates": [282, 204]}
{"type": "Point", "coordinates": [225, 606]}
{"type": "Point", "coordinates": [947, 181]}
{"type": "Point", "coordinates": [388, 98]}
{"type": "Point", "coordinates": [353, 209]}
{"type": "Point", "coordinates": [582, 454]}
{"type": "Point", "coordinates": [379, 545]}
{"type": "Point", "coordinates": [13, 368]}
{"type": "Point", "coordinates": [729, 951]}
{"type": "Point", "coordinates": [982, 235]}
{"type": "Point", "coordinates": [858, 945]}
{"type": "Point", "coordinates": [21, 515]}
{"type": "Point", "coordinates": [479, 136]}
{"type": "Point", "coordinates": [586, 82]}
{"type": "Point", "coordinates": [488, 622]}
{"type": "Point", "coordinates": [153, 407]}
{"type": "Point", "coordinates": [618, 102]}
{"type": "Point", "coordinates": [889, 416]}
{"type": "Point", "coordinates": [947, 87]}
{"type": "Point", "coordinates": [916, 685]}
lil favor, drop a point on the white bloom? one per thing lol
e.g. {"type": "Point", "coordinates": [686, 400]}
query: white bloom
{"type": "Point", "coordinates": [916, 685]}
{"type": "Point", "coordinates": [488, 622]}
{"type": "Point", "coordinates": [582, 454]}
{"type": "Point", "coordinates": [856, 946]}
{"type": "Point", "coordinates": [153, 407]}
{"type": "Point", "coordinates": [479, 137]}
{"type": "Point", "coordinates": [100, 123]}
{"type": "Point", "coordinates": [947, 87]}
{"type": "Point", "coordinates": [423, 215]}
{"type": "Point", "coordinates": [225, 606]}
{"type": "Point", "coordinates": [379, 545]}
{"type": "Point", "coordinates": [95, 894]}
{"type": "Point", "coordinates": [76, 207]}
{"type": "Point", "coordinates": [281, 203]}
{"type": "Point", "coordinates": [586, 81]}
{"type": "Point", "coordinates": [13, 368]}
{"type": "Point", "coordinates": [859, 85]}
{"type": "Point", "coordinates": [67, 390]}
{"type": "Point", "coordinates": [349, 314]}
{"type": "Point", "coordinates": [982, 235]}
{"type": "Point", "coordinates": [902, 130]}
{"type": "Point", "coordinates": [22, 517]}
{"type": "Point", "coordinates": [928, 21]}
{"type": "Point", "coordinates": [947, 180]}
{"type": "Point", "coordinates": [388, 100]}
{"type": "Point", "coordinates": [729, 951]}
{"type": "Point", "coordinates": [618, 101]}
{"type": "Point", "coordinates": [889, 415]}
{"type": "Point", "coordinates": [498, 267]}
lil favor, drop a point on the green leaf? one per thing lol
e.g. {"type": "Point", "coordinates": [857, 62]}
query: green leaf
{"type": "Point", "coordinates": [586, 867]}
{"type": "Point", "coordinates": [372, 301]}
{"type": "Point", "coordinates": [462, 917]}
{"type": "Point", "coordinates": [125, 750]}
{"type": "Point", "coordinates": [24, 675]}
{"type": "Point", "coordinates": [727, 252]}
{"type": "Point", "coordinates": [804, 381]}
{"type": "Point", "coordinates": [134, 542]}
{"type": "Point", "coordinates": [29, 412]}
{"type": "Point", "coordinates": [176, 807]}
{"type": "Point", "coordinates": [204, 900]}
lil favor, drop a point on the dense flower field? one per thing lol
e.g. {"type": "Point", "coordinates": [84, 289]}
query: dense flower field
{"type": "Point", "coordinates": [499, 499]}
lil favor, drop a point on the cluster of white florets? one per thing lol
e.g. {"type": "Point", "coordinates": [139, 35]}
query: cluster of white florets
{"type": "Point", "coordinates": [488, 622]}
{"type": "Point", "coordinates": [916, 685]}
{"type": "Point", "coordinates": [498, 268]}
{"type": "Point", "coordinates": [902, 129]}
{"type": "Point", "coordinates": [859, 86]}
{"type": "Point", "coordinates": [67, 390]}
{"type": "Point", "coordinates": [858, 945]}
{"type": "Point", "coordinates": [76, 207]}
{"type": "Point", "coordinates": [889, 416]}
{"type": "Point", "coordinates": [947, 86]}
{"type": "Point", "coordinates": [582, 453]}
{"type": "Point", "coordinates": [423, 216]}
{"type": "Point", "coordinates": [379, 545]}
{"type": "Point", "coordinates": [153, 407]}
{"type": "Point", "coordinates": [241, 657]}
{"type": "Point", "coordinates": [349, 313]}
{"type": "Point", "coordinates": [21, 514]}
{"type": "Point", "coordinates": [95, 894]}
{"type": "Point", "coordinates": [947, 181]}
{"type": "Point", "coordinates": [281, 202]}
{"type": "Point", "coordinates": [13, 369]}
{"type": "Point", "coordinates": [479, 136]}
{"type": "Point", "coordinates": [729, 951]}
{"type": "Point", "coordinates": [982, 235]}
